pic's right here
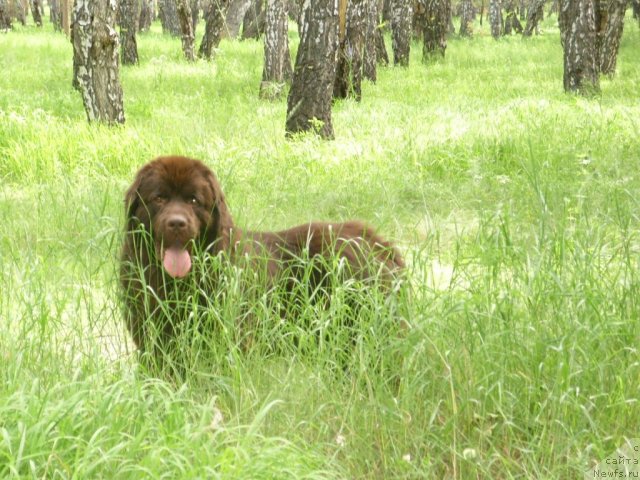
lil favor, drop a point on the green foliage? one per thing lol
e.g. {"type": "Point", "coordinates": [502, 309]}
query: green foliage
{"type": "Point", "coordinates": [515, 205]}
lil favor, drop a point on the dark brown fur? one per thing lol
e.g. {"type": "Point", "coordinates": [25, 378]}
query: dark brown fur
{"type": "Point", "coordinates": [179, 202]}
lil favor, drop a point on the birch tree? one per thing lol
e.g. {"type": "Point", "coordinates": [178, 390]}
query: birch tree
{"type": "Point", "coordinates": [401, 16]}
{"type": "Point", "coordinates": [186, 29]}
{"type": "Point", "coordinates": [577, 22]}
{"type": "Point", "coordinates": [214, 15]}
{"type": "Point", "coordinates": [611, 21]}
{"type": "Point", "coordinates": [351, 51]}
{"type": "Point", "coordinates": [436, 24]}
{"type": "Point", "coordinates": [309, 101]}
{"type": "Point", "coordinates": [129, 14]}
{"type": "Point", "coordinates": [277, 60]}
{"type": "Point", "coordinates": [96, 54]}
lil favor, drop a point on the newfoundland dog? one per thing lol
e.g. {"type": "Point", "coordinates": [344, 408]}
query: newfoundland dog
{"type": "Point", "coordinates": [176, 216]}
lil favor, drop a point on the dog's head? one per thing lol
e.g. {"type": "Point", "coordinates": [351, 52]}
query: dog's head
{"type": "Point", "coordinates": [179, 202]}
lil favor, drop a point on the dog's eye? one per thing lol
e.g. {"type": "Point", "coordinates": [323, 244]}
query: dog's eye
{"type": "Point", "coordinates": [159, 199]}
{"type": "Point", "coordinates": [194, 201]}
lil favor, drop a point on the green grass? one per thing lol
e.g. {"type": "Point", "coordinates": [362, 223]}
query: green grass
{"type": "Point", "coordinates": [516, 206]}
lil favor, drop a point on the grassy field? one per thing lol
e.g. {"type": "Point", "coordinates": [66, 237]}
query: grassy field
{"type": "Point", "coordinates": [516, 206]}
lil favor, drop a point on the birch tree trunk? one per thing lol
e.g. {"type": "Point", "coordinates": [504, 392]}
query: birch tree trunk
{"type": "Point", "coordinates": [371, 25]}
{"type": "Point", "coordinates": [348, 82]}
{"type": "Point", "coordinates": [437, 16]}
{"type": "Point", "coordinates": [578, 35]}
{"type": "Point", "coordinates": [214, 15]}
{"type": "Point", "coordinates": [195, 7]}
{"type": "Point", "coordinates": [495, 18]}
{"type": "Point", "coordinates": [418, 19]}
{"type": "Point", "coordinates": [235, 14]}
{"type": "Point", "coordinates": [5, 16]}
{"type": "Point", "coordinates": [95, 49]}
{"type": "Point", "coordinates": [146, 15]}
{"type": "Point", "coordinates": [21, 11]}
{"type": "Point", "coordinates": [466, 18]}
{"type": "Point", "coordinates": [128, 25]}
{"type": "Point", "coordinates": [386, 7]}
{"type": "Point", "coordinates": [382, 57]}
{"type": "Point", "coordinates": [37, 11]}
{"type": "Point", "coordinates": [534, 15]}
{"type": "Point", "coordinates": [253, 23]}
{"type": "Point", "coordinates": [277, 60]}
{"type": "Point", "coordinates": [401, 16]}
{"type": "Point", "coordinates": [309, 102]}
{"type": "Point", "coordinates": [511, 22]}
{"type": "Point", "coordinates": [186, 29]}
{"type": "Point", "coordinates": [55, 14]}
{"type": "Point", "coordinates": [612, 23]}
{"type": "Point", "coordinates": [168, 13]}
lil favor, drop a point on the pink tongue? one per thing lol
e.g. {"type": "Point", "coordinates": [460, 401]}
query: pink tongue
{"type": "Point", "coordinates": [177, 262]}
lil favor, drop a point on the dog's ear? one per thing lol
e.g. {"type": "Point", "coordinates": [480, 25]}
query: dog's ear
{"type": "Point", "coordinates": [132, 198]}
{"type": "Point", "coordinates": [220, 231]}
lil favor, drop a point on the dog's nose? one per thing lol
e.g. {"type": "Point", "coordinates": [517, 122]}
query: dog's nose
{"type": "Point", "coordinates": [177, 222]}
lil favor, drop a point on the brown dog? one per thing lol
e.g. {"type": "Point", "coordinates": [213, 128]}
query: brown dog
{"type": "Point", "coordinates": [175, 209]}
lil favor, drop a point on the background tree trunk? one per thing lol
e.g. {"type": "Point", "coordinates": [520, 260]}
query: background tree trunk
{"type": "Point", "coordinates": [128, 24]}
{"type": "Point", "coordinates": [401, 17]}
{"type": "Point", "coordinates": [293, 7]}
{"type": "Point", "coordinates": [5, 16]}
{"type": "Point", "coordinates": [235, 15]}
{"type": "Point", "coordinates": [371, 25]}
{"type": "Point", "coordinates": [254, 20]}
{"type": "Point", "coordinates": [37, 11]}
{"type": "Point", "coordinates": [168, 13]}
{"type": "Point", "coordinates": [382, 57]}
{"type": "Point", "coordinates": [578, 33]}
{"type": "Point", "coordinates": [511, 22]}
{"type": "Point", "coordinates": [467, 15]}
{"type": "Point", "coordinates": [146, 15]}
{"type": "Point", "coordinates": [309, 102]}
{"type": "Point", "coordinates": [419, 19]}
{"type": "Point", "coordinates": [348, 81]}
{"type": "Point", "coordinates": [21, 11]}
{"type": "Point", "coordinates": [386, 7]}
{"type": "Point", "coordinates": [609, 34]}
{"type": "Point", "coordinates": [78, 58]}
{"type": "Point", "coordinates": [186, 29]}
{"type": "Point", "coordinates": [95, 46]}
{"type": "Point", "coordinates": [437, 17]}
{"type": "Point", "coordinates": [195, 14]}
{"type": "Point", "coordinates": [214, 15]}
{"type": "Point", "coordinates": [277, 60]}
{"type": "Point", "coordinates": [534, 15]}
{"type": "Point", "coordinates": [495, 18]}
{"type": "Point", "coordinates": [55, 14]}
